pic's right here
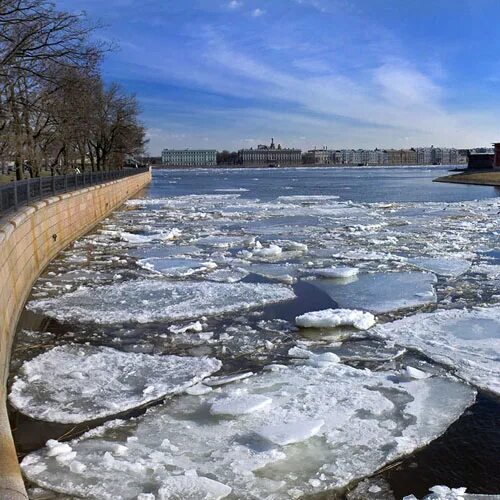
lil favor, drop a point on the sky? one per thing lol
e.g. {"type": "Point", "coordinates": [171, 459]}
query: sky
{"type": "Point", "coordinates": [229, 74]}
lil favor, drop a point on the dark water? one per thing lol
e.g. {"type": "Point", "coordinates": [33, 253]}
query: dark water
{"type": "Point", "coordinates": [466, 455]}
{"type": "Point", "coordinates": [356, 184]}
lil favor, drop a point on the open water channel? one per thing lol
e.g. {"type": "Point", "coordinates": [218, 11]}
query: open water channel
{"type": "Point", "coordinates": [160, 356]}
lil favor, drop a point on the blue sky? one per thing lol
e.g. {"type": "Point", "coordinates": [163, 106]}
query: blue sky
{"type": "Point", "coordinates": [227, 74]}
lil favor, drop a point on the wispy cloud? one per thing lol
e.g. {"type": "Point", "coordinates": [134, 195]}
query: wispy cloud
{"type": "Point", "coordinates": [335, 72]}
{"type": "Point", "coordinates": [258, 12]}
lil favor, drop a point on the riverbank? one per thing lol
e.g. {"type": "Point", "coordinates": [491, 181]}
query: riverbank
{"type": "Point", "coordinates": [477, 178]}
{"type": "Point", "coordinates": [29, 239]}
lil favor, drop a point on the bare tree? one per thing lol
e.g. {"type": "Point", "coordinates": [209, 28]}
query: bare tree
{"type": "Point", "coordinates": [55, 111]}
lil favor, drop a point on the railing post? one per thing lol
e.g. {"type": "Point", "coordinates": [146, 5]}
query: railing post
{"type": "Point", "coordinates": [15, 194]}
{"type": "Point", "coordinates": [65, 183]}
{"type": "Point", "coordinates": [53, 184]}
{"type": "Point", "coordinates": [40, 187]}
{"type": "Point", "coordinates": [28, 190]}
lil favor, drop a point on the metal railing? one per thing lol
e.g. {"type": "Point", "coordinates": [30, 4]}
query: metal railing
{"type": "Point", "coordinates": [18, 193]}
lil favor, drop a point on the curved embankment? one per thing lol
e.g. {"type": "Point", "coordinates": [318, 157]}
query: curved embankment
{"type": "Point", "coordinates": [29, 239]}
{"type": "Point", "coordinates": [477, 178]}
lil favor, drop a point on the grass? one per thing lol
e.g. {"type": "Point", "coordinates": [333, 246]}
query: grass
{"type": "Point", "coordinates": [480, 178]}
{"type": "Point", "coordinates": [12, 176]}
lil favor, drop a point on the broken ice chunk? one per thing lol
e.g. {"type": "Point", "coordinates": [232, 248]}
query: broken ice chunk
{"type": "Point", "coordinates": [466, 341]}
{"type": "Point", "coordinates": [331, 318]}
{"type": "Point", "coordinates": [445, 493]}
{"type": "Point", "coordinates": [113, 382]}
{"type": "Point", "coordinates": [192, 488]}
{"type": "Point", "coordinates": [382, 292]}
{"type": "Point", "coordinates": [192, 327]}
{"type": "Point", "coordinates": [198, 390]}
{"type": "Point", "coordinates": [445, 266]}
{"type": "Point", "coordinates": [336, 272]}
{"type": "Point", "coordinates": [369, 419]}
{"type": "Point", "coordinates": [145, 301]}
{"type": "Point", "coordinates": [416, 373]}
{"type": "Point", "coordinates": [271, 251]}
{"type": "Point", "coordinates": [175, 267]}
{"type": "Point", "coordinates": [291, 432]}
{"type": "Point", "coordinates": [318, 360]}
{"type": "Point", "coordinates": [240, 403]}
{"type": "Point", "coordinates": [226, 379]}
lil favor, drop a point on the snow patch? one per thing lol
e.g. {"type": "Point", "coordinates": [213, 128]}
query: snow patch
{"type": "Point", "coordinates": [331, 318]}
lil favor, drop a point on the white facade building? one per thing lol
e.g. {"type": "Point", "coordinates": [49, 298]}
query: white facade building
{"type": "Point", "coordinates": [189, 157]}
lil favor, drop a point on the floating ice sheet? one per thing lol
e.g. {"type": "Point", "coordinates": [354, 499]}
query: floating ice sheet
{"type": "Point", "coordinates": [75, 383]}
{"type": "Point", "coordinates": [176, 267]}
{"type": "Point", "coordinates": [341, 423]}
{"type": "Point", "coordinates": [467, 341]}
{"type": "Point", "coordinates": [331, 318]}
{"type": "Point", "coordinates": [145, 301]}
{"type": "Point", "coordinates": [336, 272]}
{"type": "Point", "coordinates": [441, 265]}
{"type": "Point", "coordinates": [382, 292]}
{"type": "Point", "coordinates": [445, 493]}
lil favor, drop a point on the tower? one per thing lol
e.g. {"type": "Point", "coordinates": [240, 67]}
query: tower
{"type": "Point", "coordinates": [272, 142]}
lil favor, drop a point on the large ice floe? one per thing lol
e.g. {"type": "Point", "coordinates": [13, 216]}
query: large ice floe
{"type": "Point", "coordinates": [382, 292]}
{"type": "Point", "coordinates": [278, 435]}
{"type": "Point", "coordinates": [331, 318]}
{"type": "Point", "coordinates": [444, 266]}
{"type": "Point", "coordinates": [468, 341]}
{"type": "Point", "coordinates": [145, 301]}
{"type": "Point", "coordinates": [74, 383]}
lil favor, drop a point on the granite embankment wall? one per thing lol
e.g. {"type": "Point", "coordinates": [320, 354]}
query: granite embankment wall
{"type": "Point", "coordinates": [29, 239]}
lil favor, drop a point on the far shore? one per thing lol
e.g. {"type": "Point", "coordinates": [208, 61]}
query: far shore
{"type": "Point", "coordinates": [484, 178]}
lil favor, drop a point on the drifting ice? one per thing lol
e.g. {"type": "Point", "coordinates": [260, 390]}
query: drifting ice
{"type": "Point", "coordinates": [292, 432]}
{"type": "Point", "coordinates": [330, 318]}
{"type": "Point", "coordinates": [467, 341]}
{"type": "Point", "coordinates": [441, 265]}
{"type": "Point", "coordinates": [145, 301]}
{"type": "Point", "coordinates": [345, 422]}
{"type": "Point", "coordinates": [445, 493]}
{"type": "Point", "coordinates": [336, 272]}
{"type": "Point", "coordinates": [75, 383]}
{"type": "Point", "coordinates": [382, 292]}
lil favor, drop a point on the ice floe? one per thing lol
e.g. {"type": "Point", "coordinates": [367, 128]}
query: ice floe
{"type": "Point", "coordinates": [468, 341]}
{"type": "Point", "coordinates": [336, 272]}
{"type": "Point", "coordinates": [239, 403]}
{"type": "Point", "coordinates": [444, 493]}
{"type": "Point", "coordinates": [444, 266]}
{"type": "Point", "coordinates": [145, 301]}
{"type": "Point", "coordinates": [382, 292]}
{"type": "Point", "coordinates": [74, 383]}
{"type": "Point", "coordinates": [331, 318]}
{"type": "Point", "coordinates": [192, 487]}
{"type": "Point", "coordinates": [176, 267]}
{"type": "Point", "coordinates": [325, 427]}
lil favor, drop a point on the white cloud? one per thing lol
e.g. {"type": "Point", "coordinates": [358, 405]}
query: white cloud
{"type": "Point", "coordinates": [235, 4]}
{"type": "Point", "coordinates": [258, 12]}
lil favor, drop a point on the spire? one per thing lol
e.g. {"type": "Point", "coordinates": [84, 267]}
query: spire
{"type": "Point", "coordinates": [272, 142]}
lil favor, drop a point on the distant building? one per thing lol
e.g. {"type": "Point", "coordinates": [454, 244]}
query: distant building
{"type": "Point", "coordinates": [189, 157]}
{"type": "Point", "coordinates": [481, 161]}
{"type": "Point", "coordinates": [270, 155]}
{"type": "Point", "coordinates": [319, 157]}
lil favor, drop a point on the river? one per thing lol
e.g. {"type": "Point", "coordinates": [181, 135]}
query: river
{"type": "Point", "coordinates": [216, 265]}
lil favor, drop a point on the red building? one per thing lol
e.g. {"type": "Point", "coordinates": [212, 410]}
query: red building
{"type": "Point", "coordinates": [496, 161]}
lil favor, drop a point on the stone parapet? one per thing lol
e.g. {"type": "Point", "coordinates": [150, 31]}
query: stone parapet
{"type": "Point", "coordinates": [29, 239]}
